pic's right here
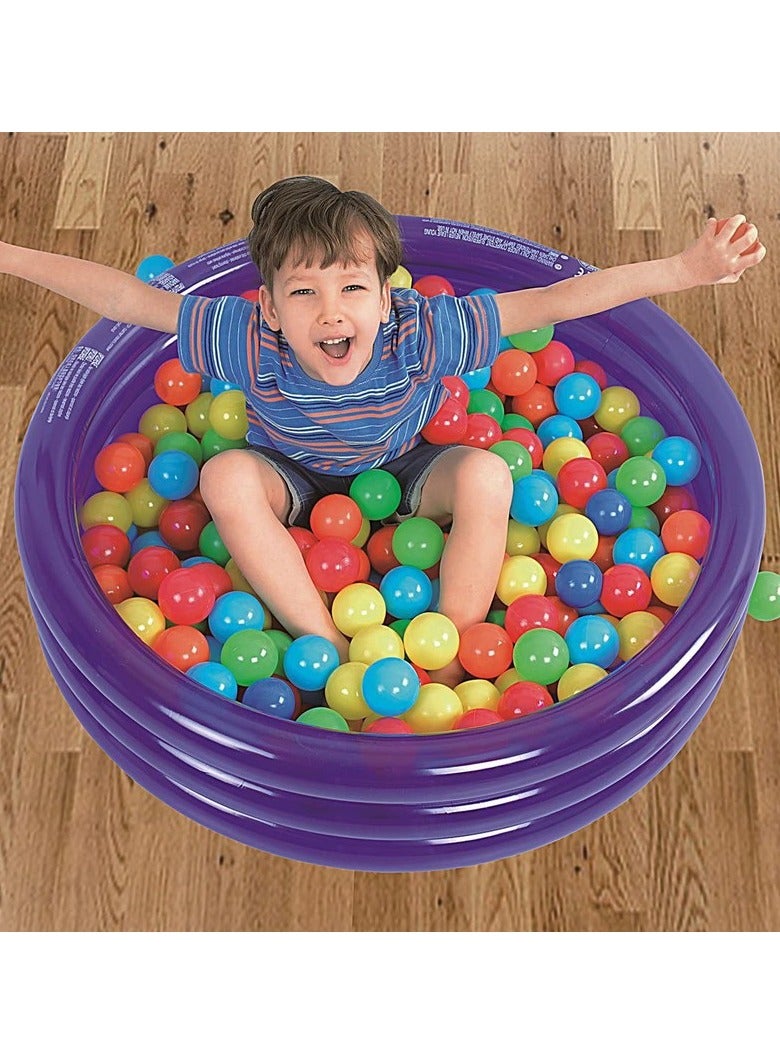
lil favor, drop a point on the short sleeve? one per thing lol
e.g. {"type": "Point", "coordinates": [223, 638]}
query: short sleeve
{"type": "Point", "coordinates": [463, 333]}
{"type": "Point", "coordinates": [219, 338]}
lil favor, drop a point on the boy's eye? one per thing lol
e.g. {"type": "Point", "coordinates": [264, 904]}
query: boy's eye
{"type": "Point", "coordinates": [300, 291]}
{"type": "Point", "coordinates": [354, 287]}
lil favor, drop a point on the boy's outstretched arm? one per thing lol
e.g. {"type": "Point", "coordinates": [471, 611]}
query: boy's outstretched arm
{"type": "Point", "coordinates": [110, 293]}
{"type": "Point", "coordinates": [715, 258]}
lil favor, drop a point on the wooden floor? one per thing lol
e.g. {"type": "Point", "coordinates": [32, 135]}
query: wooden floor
{"type": "Point", "coordinates": [84, 848]}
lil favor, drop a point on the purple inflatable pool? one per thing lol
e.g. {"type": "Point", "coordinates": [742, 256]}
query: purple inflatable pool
{"type": "Point", "coordinates": [386, 803]}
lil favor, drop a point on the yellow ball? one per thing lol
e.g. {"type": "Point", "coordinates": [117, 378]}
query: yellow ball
{"type": "Point", "coordinates": [375, 641]}
{"type": "Point", "coordinates": [240, 582]}
{"type": "Point", "coordinates": [436, 709]}
{"type": "Point", "coordinates": [578, 678]}
{"type": "Point", "coordinates": [143, 616]}
{"type": "Point", "coordinates": [521, 539]}
{"type": "Point", "coordinates": [158, 420]}
{"type": "Point", "coordinates": [343, 691]}
{"type": "Point", "coordinates": [357, 606]}
{"type": "Point", "coordinates": [363, 534]}
{"type": "Point", "coordinates": [145, 504]}
{"type": "Point", "coordinates": [635, 631]}
{"type": "Point", "coordinates": [477, 694]}
{"type": "Point", "coordinates": [106, 508]}
{"type": "Point", "coordinates": [618, 405]}
{"type": "Point", "coordinates": [197, 414]}
{"type": "Point", "coordinates": [572, 536]}
{"type": "Point", "coordinates": [673, 576]}
{"type": "Point", "coordinates": [227, 415]}
{"type": "Point", "coordinates": [401, 278]}
{"type": "Point", "coordinates": [559, 451]}
{"type": "Point", "coordinates": [506, 679]}
{"type": "Point", "coordinates": [431, 640]}
{"type": "Point", "coordinates": [562, 508]}
{"type": "Point", "coordinates": [520, 576]}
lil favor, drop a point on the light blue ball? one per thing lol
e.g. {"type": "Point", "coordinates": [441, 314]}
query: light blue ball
{"type": "Point", "coordinates": [217, 387]}
{"type": "Point", "coordinates": [638, 546]}
{"type": "Point", "coordinates": [390, 686]}
{"type": "Point", "coordinates": [592, 640]}
{"type": "Point", "coordinates": [235, 611]}
{"type": "Point", "coordinates": [679, 458]}
{"type": "Point", "coordinates": [309, 660]}
{"type": "Point", "coordinates": [152, 266]}
{"type": "Point", "coordinates": [534, 499]}
{"type": "Point", "coordinates": [577, 395]}
{"type": "Point", "coordinates": [215, 676]}
{"type": "Point", "coordinates": [152, 538]}
{"type": "Point", "coordinates": [556, 427]}
{"type": "Point", "coordinates": [406, 590]}
{"type": "Point", "coordinates": [173, 474]}
{"type": "Point", "coordinates": [477, 378]}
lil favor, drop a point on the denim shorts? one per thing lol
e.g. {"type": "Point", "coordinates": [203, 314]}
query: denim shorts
{"type": "Point", "coordinates": [307, 486]}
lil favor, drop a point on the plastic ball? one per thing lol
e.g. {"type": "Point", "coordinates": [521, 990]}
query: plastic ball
{"type": "Point", "coordinates": [344, 693]}
{"type": "Point", "coordinates": [618, 406]}
{"type": "Point", "coordinates": [140, 442]}
{"type": "Point", "coordinates": [579, 480]}
{"type": "Point", "coordinates": [578, 582]}
{"type": "Point", "coordinates": [174, 385]}
{"type": "Point", "coordinates": [185, 597]}
{"type": "Point", "coordinates": [149, 567]}
{"type": "Point", "coordinates": [764, 602]}
{"type": "Point", "coordinates": [571, 536]}
{"type": "Point", "coordinates": [641, 434]}
{"type": "Point", "coordinates": [686, 532]}
{"type": "Point", "coordinates": [106, 508]}
{"type": "Point", "coordinates": [673, 577]}
{"type": "Point", "coordinates": [561, 451]}
{"type": "Point", "coordinates": [553, 361]}
{"type": "Point", "coordinates": [214, 676]}
{"type": "Point", "coordinates": [679, 458]}
{"type": "Point", "coordinates": [119, 467]}
{"type": "Point", "coordinates": [323, 717]}
{"type": "Point", "coordinates": [181, 646]}
{"type": "Point", "coordinates": [520, 576]}
{"type": "Point", "coordinates": [609, 510]}
{"type": "Point", "coordinates": [638, 546]}
{"type": "Point", "coordinates": [556, 427]}
{"type": "Point", "coordinates": [173, 474]}
{"type": "Point", "coordinates": [432, 284]}
{"type": "Point", "coordinates": [436, 709]}
{"type": "Point", "coordinates": [626, 588]}
{"type": "Point", "coordinates": [160, 419]}
{"type": "Point", "coordinates": [485, 650]}
{"type": "Point", "coordinates": [387, 726]}
{"type": "Point", "coordinates": [641, 480]}
{"type": "Point", "coordinates": [218, 577]}
{"type": "Point", "coordinates": [478, 694]}
{"type": "Point", "coordinates": [522, 698]}
{"type": "Point", "coordinates": [196, 415]}
{"type": "Point", "coordinates": [528, 438]}
{"type": "Point", "coordinates": [484, 401]}
{"type": "Point", "coordinates": [431, 640]}
{"type": "Point", "coordinates": [534, 500]}
{"type": "Point", "coordinates": [181, 441]}
{"type": "Point", "coordinates": [336, 515]}
{"type": "Point", "coordinates": [513, 372]}
{"type": "Point", "coordinates": [531, 611]}
{"type": "Point", "coordinates": [233, 612]}
{"type": "Point", "coordinates": [143, 616]}
{"type": "Point", "coordinates": [375, 641]}
{"type": "Point", "coordinates": [152, 266]}
{"type": "Point", "coordinates": [541, 656]}
{"type": "Point", "coordinates": [105, 545]}
{"type": "Point", "coordinates": [635, 631]}
{"type": "Point", "coordinates": [358, 606]}
{"type": "Point", "coordinates": [210, 543]}
{"type": "Point", "coordinates": [673, 499]}
{"type": "Point", "coordinates": [579, 678]}
{"type": "Point", "coordinates": [592, 640]}
{"type": "Point", "coordinates": [608, 449]}
{"type": "Point", "coordinates": [577, 395]}
{"type": "Point", "coordinates": [477, 718]}
{"type": "Point", "coordinates": [481, 431]}
{"type": "Point", "coordinates": [390, 686]}
{"type": "Point", "coordinates": [309, 661]}
{"type": "Point", "coordinates": [332, 563]}
{"type": "Point", "coordinates": [516, 456]}
{"type": "Point", "coordinates": [406, 591]}
{"type": "Point", "coordinates": [521, 539]}
{"type": "Point", "coordinates": [401, 278]}
{"type": "Point", "coordinates": [536, 404]}
{"type": "Point", "coordinates": [377, 493]}
{"type": "Point", "coordinates": [227, 415]}
{"type": "Point", "coordinates": [477, 378]}
{"type": "Point", "coordinates": [457, 388]}
{"type": "Point", "coordinates": [250, 655]}
{"type": "Point", "coordinates": [181, 522]}
{"type": "Point", "coordinates": [418, 542]}
{"type": "Point", "coordinates": [113, 582]}
{"type": "Point", "coordinates": [533, 340]}
{"type": "Point", "coordinates": [146, 505]}
{"type": "Point", "coordinates": [448, 424]}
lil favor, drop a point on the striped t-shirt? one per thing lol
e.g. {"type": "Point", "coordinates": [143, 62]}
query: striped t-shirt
{"type": "Point", "coordinates": [341, 429]}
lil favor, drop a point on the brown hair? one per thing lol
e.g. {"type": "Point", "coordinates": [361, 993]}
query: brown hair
{"type": "Point", "coordinates": [315, 219]}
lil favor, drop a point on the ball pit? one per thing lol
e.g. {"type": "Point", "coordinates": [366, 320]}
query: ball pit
{"type": "Point", "coordinates": [377, 801]}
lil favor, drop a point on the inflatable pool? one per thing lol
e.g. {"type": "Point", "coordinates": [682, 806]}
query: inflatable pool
{"type": "Point", "coordinates": [376, 802]}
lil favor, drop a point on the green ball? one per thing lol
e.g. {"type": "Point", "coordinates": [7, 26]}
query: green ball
{"type": "Point", "coordinates": [764, 602]}
{"type": "Point", "coordinates": [212, 443]}
{"type": "Point", "coordinates": [400, 625]}
{"type": "Point", "coordinates": [180, 441]}
{"type": "Point", "coordinates": [641, 434]}
{"type": "Point", "coordinates": [516, 456]}
{"type": "Point", "coordinates": [534, 340]}
{"type": "Point", "coordinates": [483, 401]}
{"type": "Point", "coordinates": [641, 480]}
{"type": "Point", "coordinates": [516, 421]}
{"type": "Point", "coordinates": [541, 655]}
{"type": "Point", "coordinates": [250, 655]}
{"type": "Point", "coordinates": [418, 542]}
{"type": "Point", "coordinates": [323, 717]}
{"type": "Point", "coordinates": [281, 641]}
{"type": "Point", "coordinates": [210, 544]}
{"type": "Point", "coordinates": [643, 517]}
{"type": "Point", "coordinates": [377, 493]}
{"type": "Point", "coordinates": [497, 617]}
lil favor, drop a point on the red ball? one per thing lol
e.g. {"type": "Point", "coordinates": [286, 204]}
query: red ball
{"type": "Point", "coordinates": [687, 532]}
{"type": "Point", "coordinates": [549, 564]}
{"type": "Point", "coordinates": [625, 589]}
{"type": "Point", "coordinates": [380, 549]}
{"type": "Point", "coordinates": [119, 467]}
{"type": "Point", "coordinates": [174, 385]}
{"type": "Point", "coordinates": [593, 369]}
{"type": "Point", "coordinates": [433, 285]}
{"type": "Point", "coordinates": [530, 611]}
{"type": "Point", "coordinates": [457, 388]}
{"type": "Point", "coordinates": [336, 515]}
{"type": "Point", "coordinates": [448, 424]}
{"type": "Point", "coordinates": [182, 646]}
{"type": "Point", "coordinates": [566, 614]}
{"type": "Point", "coordinates": [477, 718]}
{"type": "Point", "coordinates": [553, 362]}
{"type": "Point", "coordinates": [216, 575]}
{"type": "Point", "coordinates": [485, 650]}
{"type": "Point", "coordinates": [148, 567]}
{"type": "Point", "coordinates": [333, 563]}
{"type": "Point", "coordinates": [522, 698]}
{"type": "Point", "coordinates": [603, 556]}
{"type": "Point", "coordinates": [181, 523]}
{"type": "Point", "coordinates": [143, 443]}
{"type": "Point", "coordinates": [252, 294]}
{"type": "Point", "coordinates": [579, 479]}
{"type": "Point", "coordinates": [530, 441]}
{"type": "Point", "coordinates": [674, 498]}
{"type": "Point", "coordinates": [304, 539]}
{"type": "Point", "coordinates": [482, 431]}
{"type": "Point", "coordinates": [113, 582]}
{"type": "Point", "coordinates": [514, 372]}
{"type": "Point", "coordinates": [422, 675]}
{"type": "Point", "coordinates": [186, 596]}
{"type": "Point", "coordinates": [536, 404]}
{"type": "Point", "coordinates": [104, 545]}
{"type": "Point", "coordinates": [388, 726]}
{"type": "Point", "coordinates": [663, 613]}
{"type": "Point", "coordinates": [607, 449]}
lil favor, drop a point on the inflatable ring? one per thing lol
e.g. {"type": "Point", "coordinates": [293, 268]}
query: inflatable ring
{"type": "Point", "coordinates": [382, 802]}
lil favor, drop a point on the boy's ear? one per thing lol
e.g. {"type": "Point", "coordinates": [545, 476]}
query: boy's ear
{"type": "Point", "coordinates": [270, 317]}
{"type": "Point", "coordinates": [385, 302]}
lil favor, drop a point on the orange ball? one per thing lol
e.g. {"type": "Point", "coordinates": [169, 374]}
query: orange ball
{"type": "Point", "coordinates": [119, 467]}
{"type": "Point", "coordinates": [687, 532]}
{"type": "Point", "coordinates": [114, 582]}
{"type": "Point", "coordinates": [336, 515]}
{"type": "Point", "coordinates": [485, 650]}
{"type": "Point", "coordinates": [536, 404]}
{"type": "Point", "coordinates": [182, 646]}
{"type": "Point", "coordinates": [513, 372]}
{"type": "Point", "coordinates": [174, 385]}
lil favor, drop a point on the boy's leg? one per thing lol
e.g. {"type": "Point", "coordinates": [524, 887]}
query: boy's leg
{"type": "Point", "coordinates": [473, 488]}
{"type": "Point", "coordinates": [250, 503]}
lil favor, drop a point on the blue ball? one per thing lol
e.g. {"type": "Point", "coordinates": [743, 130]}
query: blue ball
{"type": "Point", "coordinates": [483, 292]}
{"type": "Point", "coordinates": [390, 686]}
{"type": "Point", "coordinates": [609, 510]}
{"type": "Point", "coordinates": [406, 590]}
{"type": "Point", "coordinates": [234, 612]}
{"type": "Point", "coordinates": [309, 660]}
{"type": "Point", "coordinates": [152, 538]}
{"type": "Point", "coordinates": [679, 458]}
{"type": "Point", "coordinates": [577, 395]}
{"type": "Point", "coordinates": [215, 649]}
{"type": "Point", "coordinates": [217, 387]}
{"type": "Point", "coordinates": [638, 546]}
{"type": "Point", "coordinates": [152, 266]}
{"type": "Point", "coordinates": [557, 426]}
{"type": "Point", "coordinates": [612, 478]}
{"type": "Point", "coordinates": [534, 499]}
{"type": "Point", "coordinates": [593, 640]}
{"type": "Point", "coordinates": [173, 474]}
{"type": "Point", "coordinates": [271, 695]}
{"type": "Point", "coordinates": [477, 378]}
{"type": "Point", "coordinates": [578, 583]}
{"type": "Point", "coordinates": [197, 559]}
{"type": "Point", "coordinates": [215, 676]}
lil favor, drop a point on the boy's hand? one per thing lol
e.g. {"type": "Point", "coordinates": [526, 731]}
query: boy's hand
{"type": "Point", "coordinates": [722, 253]}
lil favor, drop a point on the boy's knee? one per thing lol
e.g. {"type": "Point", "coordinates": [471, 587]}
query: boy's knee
{"type": "Point", "coordinates": [485, 475]}
{"type": "Point", "coordinates": [223, 473]}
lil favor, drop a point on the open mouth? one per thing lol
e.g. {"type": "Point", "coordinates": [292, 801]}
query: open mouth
{"type": "Point", "coordinates": [336, 349]}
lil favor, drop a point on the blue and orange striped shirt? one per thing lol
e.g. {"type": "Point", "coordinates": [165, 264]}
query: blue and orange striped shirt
{"type": "Point", "coordinates": [341, 429]}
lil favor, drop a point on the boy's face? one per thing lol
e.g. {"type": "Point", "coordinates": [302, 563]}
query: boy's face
{"type": "Point", "coordinates": [343, 304]}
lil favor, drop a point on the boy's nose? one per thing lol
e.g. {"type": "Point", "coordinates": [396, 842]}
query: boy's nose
{"type": "Point", "coordinates": [331, 313]}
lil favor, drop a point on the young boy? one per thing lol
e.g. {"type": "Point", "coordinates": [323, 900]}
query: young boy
{"type": "Point", "coordinates": [342, 372]}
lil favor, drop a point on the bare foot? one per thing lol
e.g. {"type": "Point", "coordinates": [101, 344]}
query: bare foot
{"type": "Point", "coordinates": [450, 675]}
